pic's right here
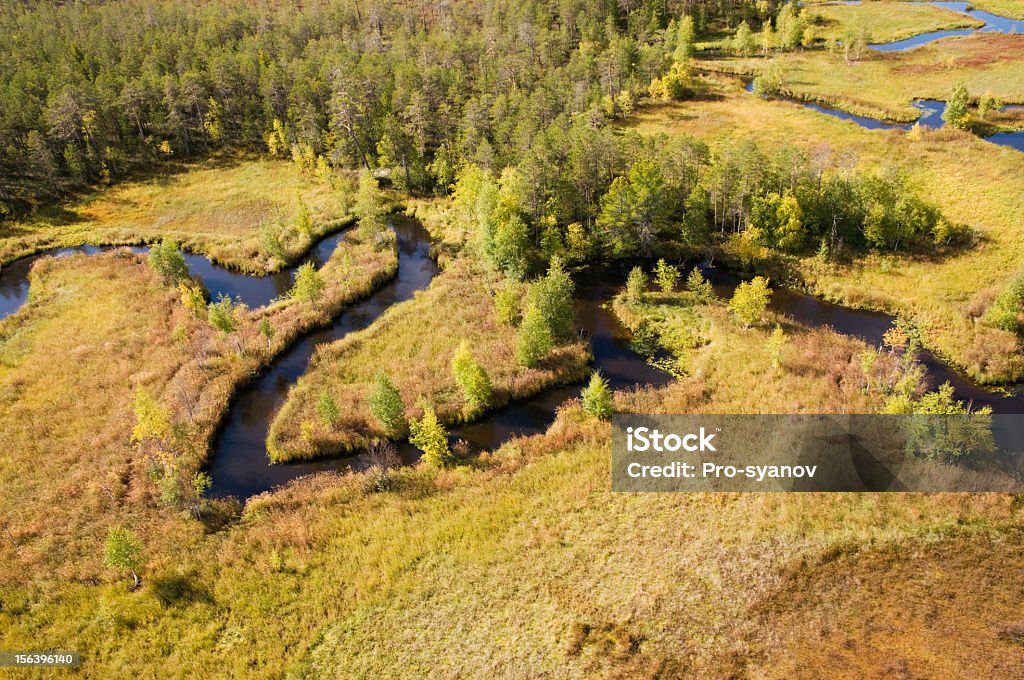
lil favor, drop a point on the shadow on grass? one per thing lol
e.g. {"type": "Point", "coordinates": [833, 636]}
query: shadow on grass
{"type": "Point", "coordinates": [179, 589]}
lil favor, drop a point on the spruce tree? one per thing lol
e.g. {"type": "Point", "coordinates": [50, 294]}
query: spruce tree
{"type": "Point", "coordinates": [387, 408]}
{"type": "Point", "coordinates": [429, 436]}
{"type": "Point", "coordinates": [597, 397]}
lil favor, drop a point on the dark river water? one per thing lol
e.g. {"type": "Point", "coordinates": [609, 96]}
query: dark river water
{"type": "Point", "coordinates": [239, 464]}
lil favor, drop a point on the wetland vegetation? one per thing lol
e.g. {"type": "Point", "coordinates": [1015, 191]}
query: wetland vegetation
{"type": "Point", "coordinates": [255, 421]}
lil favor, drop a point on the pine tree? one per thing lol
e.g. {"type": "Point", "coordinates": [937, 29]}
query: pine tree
{"type": "Point", "coordinates": [123, 552]}
{"type": "Point", "coordinates": [666, 275]}
{"type": "Point", "coordinates": [597, 397]}
{"type": "Point", "coordinates": [684, 40]}
{"type": "Point", "coordinates": [369, 208]}
{"type": "Point", "coordinates": [957, 113]}
{"type": "Point", "coordinates": [309, 284]}
{"type": "Point", "coordinates": [267, 331]}
{"type": "Point", "coordinates": [699, 286]}
{"type": "Point", "coordinates": [304, 220]}
{"type": "Point", "coordinates": [429, 436]}
{"type": "Point", "coordinates": [386, 406]}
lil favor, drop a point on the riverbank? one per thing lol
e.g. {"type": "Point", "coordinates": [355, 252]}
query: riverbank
{"type": "Point", "coordinates": [208, 208]}
{"type": "Point", "coordinates": [119, 329]}
{"type": "Point", "coordinates": [884, 86]}
{"type": "Point", "coordinates": [973, 182]}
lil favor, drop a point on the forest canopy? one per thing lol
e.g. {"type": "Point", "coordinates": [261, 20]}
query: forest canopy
{"type": "Point", "coordinates": [91, 91]}
{"type": "Point", "coordinates": [509, 100]}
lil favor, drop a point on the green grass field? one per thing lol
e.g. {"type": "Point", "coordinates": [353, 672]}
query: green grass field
{"type": "Point", "coordinates": [214, 208]}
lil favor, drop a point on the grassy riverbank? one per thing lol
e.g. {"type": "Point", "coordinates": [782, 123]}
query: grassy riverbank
{"type": "Point", "coordinates": [886, 21]}
{"type": "Point", "coordinates": [884, 85]}
{"type": "Point", "coordinates": [106, 326]}
{"type": "Point", "coordinates": [413, 342]}
{"type": "Point", "coordinates": [215, 208]}
{"type": "Point", "coordinates": [972, 181]}
{"type": "Point", "coordinates": [530, 562]}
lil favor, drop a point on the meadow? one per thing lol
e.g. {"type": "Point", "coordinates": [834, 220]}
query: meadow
{"type": "Point", "coordinates": [215, 207]}
{"type": "Point", "coordinates": [1005, 8]}
{"type": "Point", "coordinates": [887, 21]}
{"type": "Point", "coordinates": [523, 563]}
{"type": "Point", "coordinates": [884, 84]}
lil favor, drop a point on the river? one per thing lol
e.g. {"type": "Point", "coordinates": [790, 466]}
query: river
{"type": "Point", "coordinates": [239, 463]}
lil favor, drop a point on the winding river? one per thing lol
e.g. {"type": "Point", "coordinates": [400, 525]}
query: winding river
{"type": "Point", "coordinates": [931, 117]}
{"type": "Point", "coordinates": [993, 24]}
{"type": "Point", "coordinates": [239, 464]}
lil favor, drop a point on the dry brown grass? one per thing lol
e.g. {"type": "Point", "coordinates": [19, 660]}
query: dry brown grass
{"type": "Point", "coordinates": [68, 468]}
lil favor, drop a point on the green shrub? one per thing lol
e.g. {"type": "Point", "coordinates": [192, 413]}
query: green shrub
{"type": "Point", "coordinates": [666, 276]}
{"type": "Point", "coordinates": [699, 286]}
{"type": "Point", "coordinates": [535, 339]}
{"type": "Point", "coordinates": [386, 406]}
{"type": "Point", "coordinates": [167, 261]}
{"type": "Point", "coordinates": [636, 284]}
{"type": "Point", "coordinates": [750, 300]}
{"type": "Point", "coordinates": [506, 303]}
{"type": "Point", "coordinates": [472, 379]}
{"type": "Point", "coordinates": [597, 397]}
{"type": "Point", "coordinates": [327, 408]}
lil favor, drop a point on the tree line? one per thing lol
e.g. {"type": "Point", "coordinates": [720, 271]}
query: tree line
{"type": "Point", "coordinates": [626, 196]}
{"type": "Point", "coordinates": [90, 92]}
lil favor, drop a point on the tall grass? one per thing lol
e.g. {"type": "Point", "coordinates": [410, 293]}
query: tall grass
{"type": "Point", "coordinates": [97, 328]}
{"type": "Point", "coordinates": [208, 208]}
{"type": "Point", "coordinates": [413, 342]}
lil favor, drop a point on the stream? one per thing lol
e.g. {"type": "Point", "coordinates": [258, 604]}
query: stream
{"type": "Point", "coordinates": [238, 462]}
{"type": "Point", "coordinates": [993, 24]}
{"type": "Point", "coordinates": [931, 117]}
